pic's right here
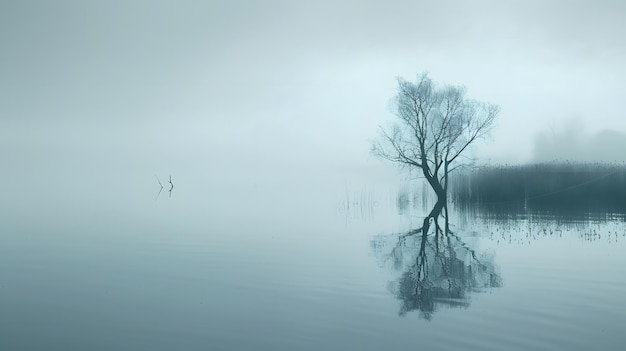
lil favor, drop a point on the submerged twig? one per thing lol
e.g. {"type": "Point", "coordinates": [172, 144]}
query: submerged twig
{"type": "Point", "coordinates": [171, 185]}
{"type": "Point", "coordinates": [160, 190]}
{"type": "Point", "coordinates": [158, 180]}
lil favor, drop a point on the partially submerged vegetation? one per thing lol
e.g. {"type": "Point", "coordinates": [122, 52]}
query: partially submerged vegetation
{"type": "Point", "coordinates": [552, 188]}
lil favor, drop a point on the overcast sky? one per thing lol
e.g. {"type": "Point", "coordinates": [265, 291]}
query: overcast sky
{"type": "Point", "coordinates": [294, 83]}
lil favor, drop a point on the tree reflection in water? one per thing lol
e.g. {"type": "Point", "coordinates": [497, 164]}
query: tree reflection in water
{"type": "Point", "coordinates": [438, 268]}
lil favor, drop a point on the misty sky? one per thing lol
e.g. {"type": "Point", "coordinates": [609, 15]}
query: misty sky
{"type": "Point", "coordinates": [291, 84]}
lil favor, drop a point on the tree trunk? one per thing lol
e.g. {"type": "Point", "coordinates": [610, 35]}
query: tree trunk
{"type": "Point", "coordinates": [436, 185]}
{"type": "Point", "coordinates": [432, 179]}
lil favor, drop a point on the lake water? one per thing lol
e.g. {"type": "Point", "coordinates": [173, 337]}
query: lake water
{"type": "Point", "coordinates": [99, 262]}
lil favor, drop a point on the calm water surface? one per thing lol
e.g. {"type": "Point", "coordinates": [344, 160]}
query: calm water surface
{"type": "Point", "coordinates": [100, 263]}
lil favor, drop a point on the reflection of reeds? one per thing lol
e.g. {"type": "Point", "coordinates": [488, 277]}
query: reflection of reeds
{"type": "Point", "coordinates": [359, 204]}
{"type": "Point", "coordinates": [556, 187]}
{"type": "Point", "coordinates": [403, 200]}
{"type": "Point", "coordinates": [410, 197]}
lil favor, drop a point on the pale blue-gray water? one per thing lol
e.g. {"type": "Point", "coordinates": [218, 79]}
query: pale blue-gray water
{"type": "Point", "coordinates": [104, 262]}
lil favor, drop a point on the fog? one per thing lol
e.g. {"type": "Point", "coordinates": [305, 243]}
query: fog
{"type": "Point", "coordinates": [289, 87]}
{"type": "Point", "coordinates": [263, 114]}
{"type": "Point", "coordinates": [572, 142]}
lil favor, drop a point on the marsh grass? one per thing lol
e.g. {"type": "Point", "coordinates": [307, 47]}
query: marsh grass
{"type": "Point", "coordinates": [562, 188]}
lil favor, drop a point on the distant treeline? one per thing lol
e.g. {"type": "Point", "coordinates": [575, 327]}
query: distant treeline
{"type": "Point", "coordinates": [553, 188]}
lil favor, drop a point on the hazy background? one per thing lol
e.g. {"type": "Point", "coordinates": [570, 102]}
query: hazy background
{"type": "Point", "coordinates": [263, 113]}
{"type": "Point", "coordinates": [290, 87]}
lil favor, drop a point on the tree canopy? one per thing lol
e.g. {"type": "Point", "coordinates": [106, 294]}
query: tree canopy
{"type": "Point", "coordinates": [435, 126]}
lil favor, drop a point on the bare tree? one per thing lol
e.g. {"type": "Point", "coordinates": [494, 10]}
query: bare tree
{"type": "Point", "coordinates": [437, 124]}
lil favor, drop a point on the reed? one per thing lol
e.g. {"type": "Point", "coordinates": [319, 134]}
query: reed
{"type": "Point", "coordinates": [546, 187]}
